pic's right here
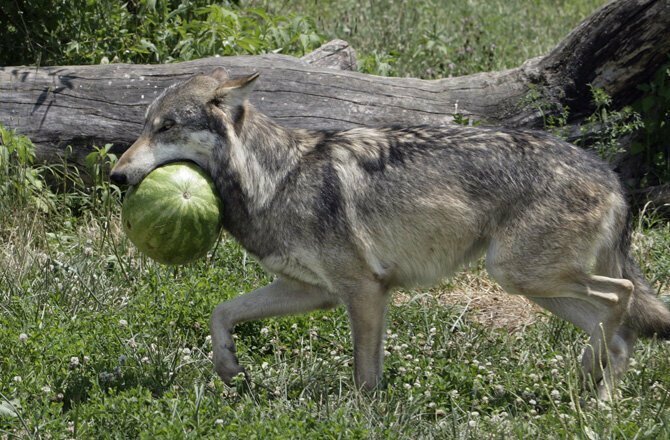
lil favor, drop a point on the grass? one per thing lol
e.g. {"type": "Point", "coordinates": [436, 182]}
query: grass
{"type": "Point", "coordinates": [99, 342]}
{"type": "Point", "coordinates": [440, 38]}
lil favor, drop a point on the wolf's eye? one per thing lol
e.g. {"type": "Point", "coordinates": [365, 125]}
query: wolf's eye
{"type": "Point", "coordinates": [166, 126]}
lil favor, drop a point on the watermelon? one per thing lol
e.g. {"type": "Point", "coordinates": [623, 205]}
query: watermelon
{"type": "Point", "coordinates": [174, 214]}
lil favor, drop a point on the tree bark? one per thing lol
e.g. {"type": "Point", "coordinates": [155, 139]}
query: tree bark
{"type": "Point", "coordinates": [620, 46]}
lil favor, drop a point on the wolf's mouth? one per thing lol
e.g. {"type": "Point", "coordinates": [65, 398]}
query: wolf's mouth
{"type": "Point", "coordinates": [162, 164]}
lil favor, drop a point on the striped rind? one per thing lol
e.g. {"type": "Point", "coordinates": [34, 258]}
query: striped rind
{"type": "Point", "coordinates": [163, 223]}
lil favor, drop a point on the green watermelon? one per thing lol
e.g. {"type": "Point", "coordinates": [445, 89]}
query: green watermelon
{"type": "Point", "coordinates": [174, 214]}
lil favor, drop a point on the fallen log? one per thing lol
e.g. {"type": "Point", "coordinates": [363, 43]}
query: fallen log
{"type": "Point", "coordinates": [618, 47]}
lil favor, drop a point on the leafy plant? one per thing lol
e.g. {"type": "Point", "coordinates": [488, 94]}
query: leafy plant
{"type": "Point", "coordinates": [105, 195]}
{"type": "Point", "coordinates": [145, 31]}
{"type": "Point", "coordinates": [605, 127]}
{"type": "Point", "coordinates": [21, 183]}
{"type": "Point", "coordinates": [554, 115]}
{"type": "Point", "coordinates": [377, 63]}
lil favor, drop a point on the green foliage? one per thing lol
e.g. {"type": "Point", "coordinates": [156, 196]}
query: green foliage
{"type": "Point", "coordinates": [653, 145]}
{"type": "Point", "coordinates": [436, 39]}
{"type": "Point", "coordinates": [554, 115]}
{"type": "Point", "coordinates": [145, 31]}
{"type": "Point", "coordinates": [21, 183]}
{"type": "Point", "coordinates": [605, 127]}
{"type": "Point", "coordinates": [104, 196]}
{"type": "Point", "coordinates": [601, 131]}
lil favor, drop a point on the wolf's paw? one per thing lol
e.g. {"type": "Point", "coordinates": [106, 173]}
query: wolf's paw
{"type": "Point", "coordinates": [230, 374]}
{"type": "Point", "coordinates": [227, 366]}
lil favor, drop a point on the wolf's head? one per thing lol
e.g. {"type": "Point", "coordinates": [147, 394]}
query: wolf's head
{"type": "Point", "coordinates": [186, 123]}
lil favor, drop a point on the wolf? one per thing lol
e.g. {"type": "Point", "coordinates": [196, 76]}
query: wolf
{"type": "Point", "coordinates": [344, 217]}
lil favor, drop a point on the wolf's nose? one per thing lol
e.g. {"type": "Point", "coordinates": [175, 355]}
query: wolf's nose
{"type": "Point", "coordinates": [118, 178]}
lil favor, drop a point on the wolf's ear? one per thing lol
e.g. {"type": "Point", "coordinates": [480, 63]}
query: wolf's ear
{"type": "Point", "coordinates": [220, 74]}
{"type": "Point", "coordinates": [234, 92]}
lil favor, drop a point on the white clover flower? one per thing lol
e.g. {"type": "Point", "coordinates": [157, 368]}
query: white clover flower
{"type": "Point", "coordinates": [123, 323]}
{"type": "Point", "coordinates": [218, 422]}
{"type": "Point", "coordinates": [265, 331]}
{"type": "Point", "coordinates": [555, 394]}
{"type": "Point", "coordinates": [23, 337]}
{"type": "Point", "coordinates": [17, 379]}
{"type": "Point", "coordinates": [74, 362]}
{"type": "Point", "coordinates": [186, 351]}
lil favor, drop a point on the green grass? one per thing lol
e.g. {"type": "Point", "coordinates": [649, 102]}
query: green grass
{"type": "Point", "coordinates": [99, 342]}
{"type": "Point", "coordinates": [440, 38]}
{"type": "Point", "coordinates": [96, 346]}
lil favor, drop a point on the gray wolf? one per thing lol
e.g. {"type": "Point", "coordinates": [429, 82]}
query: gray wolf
{"type": "Point", "coordinates": [344, 217]}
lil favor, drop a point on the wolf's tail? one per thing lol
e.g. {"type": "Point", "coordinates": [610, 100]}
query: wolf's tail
{"type": "Point", "coordinates": [647, 314]}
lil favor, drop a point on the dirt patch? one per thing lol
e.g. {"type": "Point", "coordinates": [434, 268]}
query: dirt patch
{"type": "Point", "coordinates": [480, 299]}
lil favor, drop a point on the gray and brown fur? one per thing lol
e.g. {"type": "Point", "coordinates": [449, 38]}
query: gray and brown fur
{"type": "Point", "coordinates": [344, 217]}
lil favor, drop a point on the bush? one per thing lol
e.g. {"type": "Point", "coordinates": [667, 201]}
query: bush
{"type": "Point", "coordinates": [145, 31]}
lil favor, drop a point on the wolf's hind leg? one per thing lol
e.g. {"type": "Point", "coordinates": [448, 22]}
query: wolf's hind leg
{"type": "Point", "coordinates": [595, 303]}
{"type": "Point", "coordinates": [587, 317]}
{"type": "Point", "coordinates": [281, 297]}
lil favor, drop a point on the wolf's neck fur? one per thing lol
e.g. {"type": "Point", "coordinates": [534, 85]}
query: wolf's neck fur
{"type": "Point", "coordinates": [265, 154]}
{"type": "Point", "coordinates": [259, 160]}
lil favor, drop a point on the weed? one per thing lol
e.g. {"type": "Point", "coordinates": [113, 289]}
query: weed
{"type": "Point", "coordinates": [605, 127]}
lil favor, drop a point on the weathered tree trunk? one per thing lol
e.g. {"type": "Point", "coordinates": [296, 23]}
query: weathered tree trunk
{"type": "Point", "coordinates": [618, 47]}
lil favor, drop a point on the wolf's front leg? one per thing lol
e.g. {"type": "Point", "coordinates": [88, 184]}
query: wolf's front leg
{"type": "Point", "coordinates": [367, 313]}
{"type": "Point", "coordinates": [282, 297]}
